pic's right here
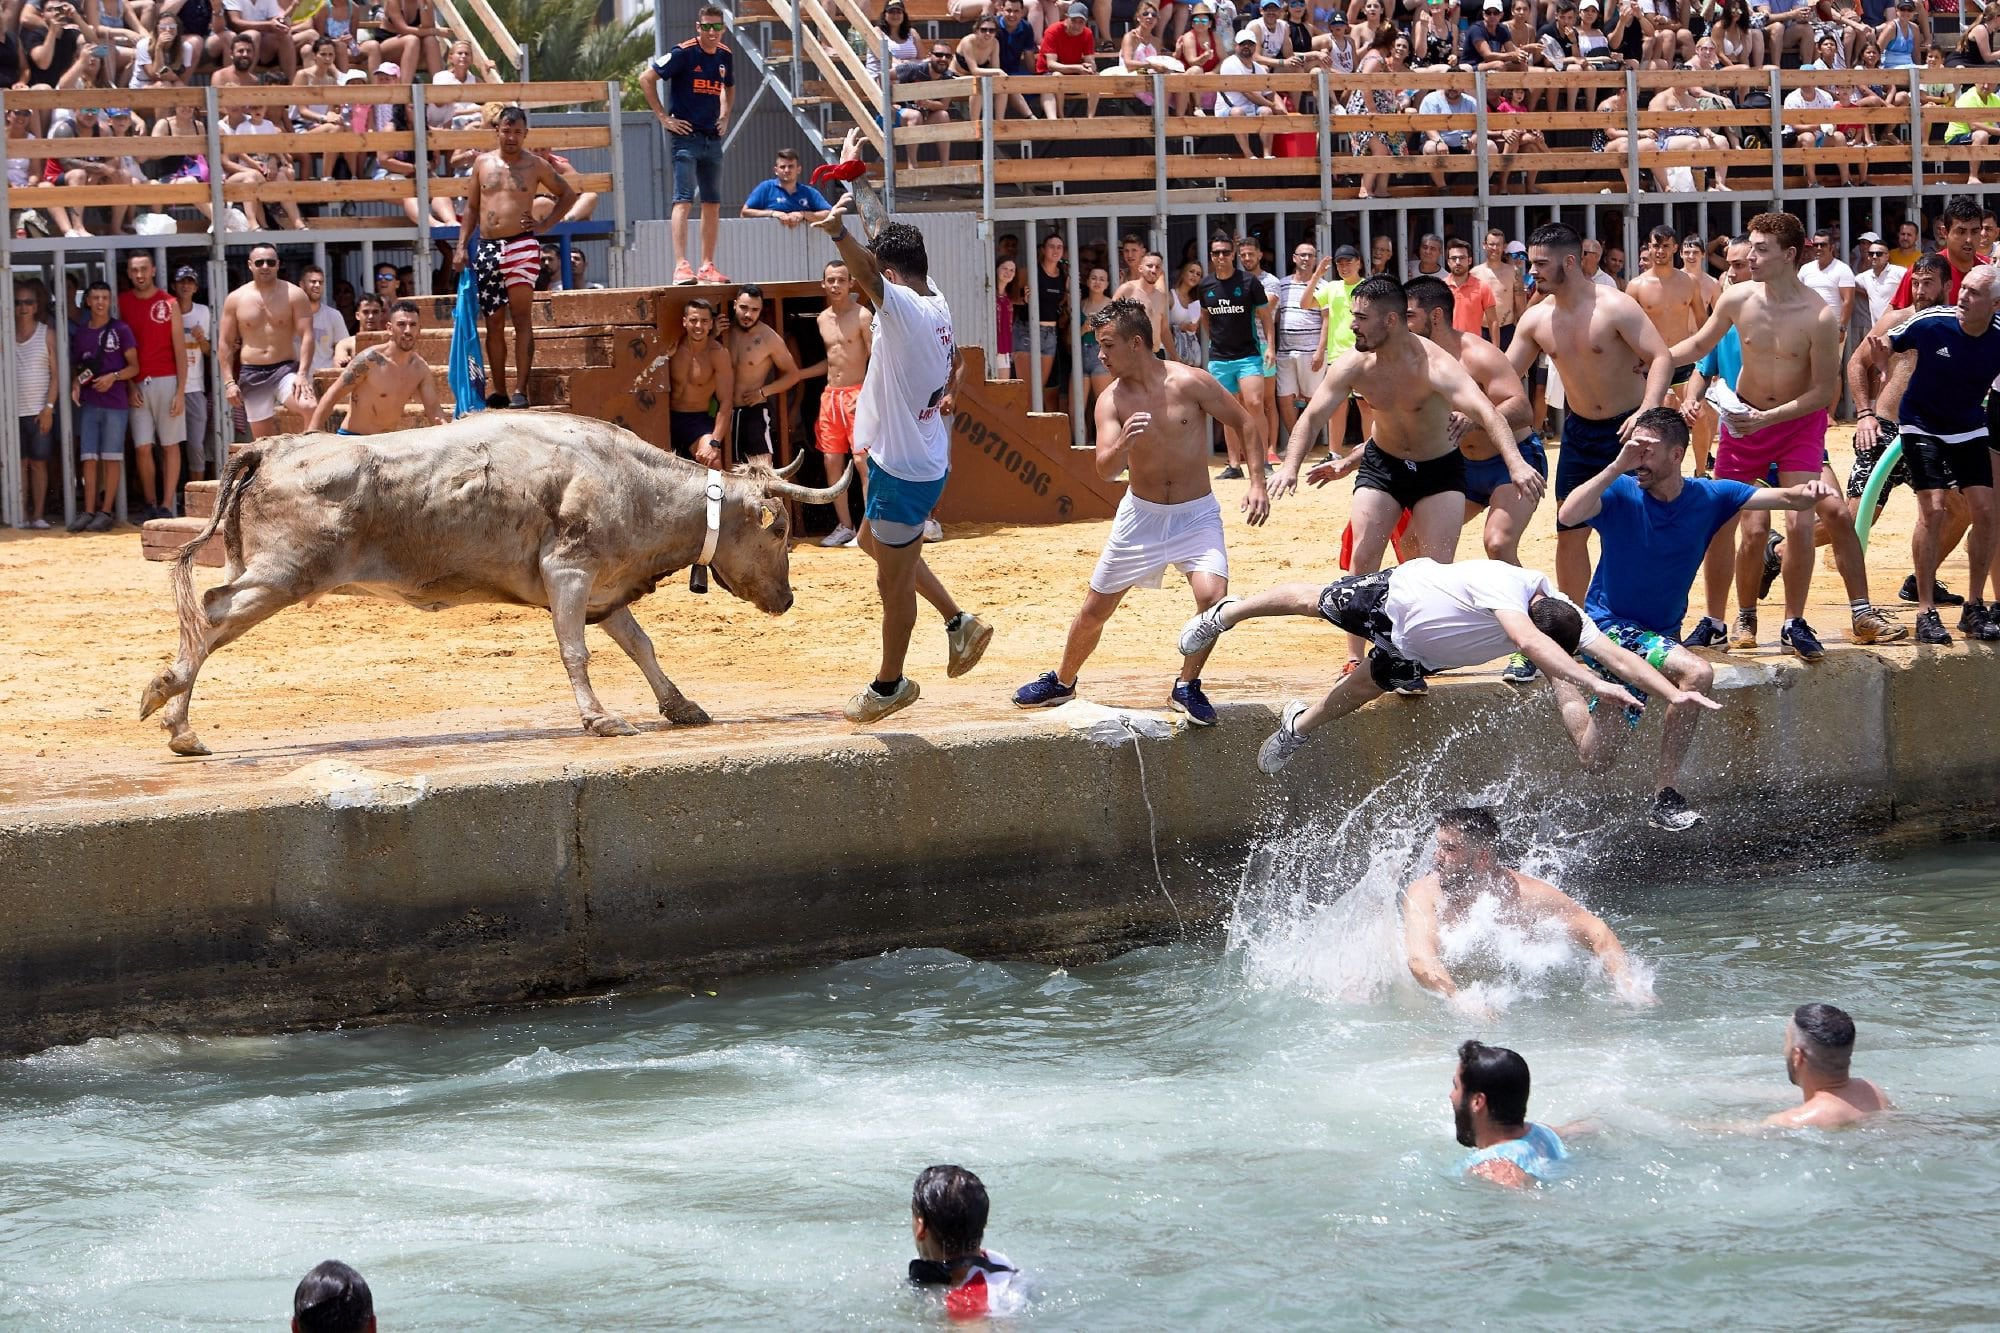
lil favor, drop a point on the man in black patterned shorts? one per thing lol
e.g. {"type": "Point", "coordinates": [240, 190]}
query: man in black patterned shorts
{"type": "Point", "coordinates": [508, 256]}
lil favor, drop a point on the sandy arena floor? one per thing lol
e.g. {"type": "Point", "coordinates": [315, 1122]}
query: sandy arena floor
{"type": "Point", "coordinates": [86, 622]}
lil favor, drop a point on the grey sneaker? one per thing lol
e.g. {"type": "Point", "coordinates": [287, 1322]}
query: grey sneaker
{"type": "Point", "coordinates": [869, 706]}
{"type": "Point", "coordinates": [1519, 670]}
{"type": "Point", "coordinates": [1204, 629]}
{"type": "Point", "coordinates": [1670, 812]}
{"type": "Point", "coordinates": [1282, 744]}
{"type": "Point", "coordinates": [967, 644]}
{"type": "Point", "coordinates": [103, 522]}
{"type": "Point", "coordinates": [840, 536]}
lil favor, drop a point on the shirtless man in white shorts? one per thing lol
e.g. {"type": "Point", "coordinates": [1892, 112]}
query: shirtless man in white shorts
{"type": "Point", "coordinates": [1153, 421]}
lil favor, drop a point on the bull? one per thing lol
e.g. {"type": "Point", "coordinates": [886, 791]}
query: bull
{"type": "Point", "coordinates": [568, 513]}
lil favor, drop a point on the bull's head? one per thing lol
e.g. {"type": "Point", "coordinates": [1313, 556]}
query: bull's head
{"type": "Point", "coordinates": [753, 554]}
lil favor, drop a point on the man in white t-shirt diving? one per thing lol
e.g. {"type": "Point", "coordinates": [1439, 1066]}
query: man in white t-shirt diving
{"type": "Point", "coordinates": [1422, 616]}
{"type": "Point", "coordinates": [902, 420]}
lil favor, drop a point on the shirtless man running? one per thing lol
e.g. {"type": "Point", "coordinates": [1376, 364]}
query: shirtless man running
{"type": "Point", "coordinates": [1671, 298]}
{"type": "Point", "coordinates": [1468, 869]}
{"type": "Point", "coordinates": [1594, 335]}
{"type": "Point", "coordinates": [1819, 1048]}
{"type": "Point", "coordinates": [849, 335]}
{"type": "Point", "coordinates": [700, 375]}
{"type": "Point", "coordinates": [380, 381]}
{"type": "Point", "coordinates": [1153, 420]}
{"type": "Point", "coordinates": [1149, 288]}
{"type": "Point", "coordinates": [1411, 462]}
{"type": "Point", "coordinates": [266, 335]}
{"type": "Point", "coordinates": [763, 368]}
{"type": "Point", "coordinates": [1790, 381]}
{"type": "Point", "coordinates": [509, 254]}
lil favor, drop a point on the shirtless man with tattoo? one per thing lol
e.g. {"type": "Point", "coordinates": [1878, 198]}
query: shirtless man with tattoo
{"type": "Point", "coordinates": [849, 334]}
{"type": "Point", "coordinates": [509, 255]}
{"type": "Point", "coordinates": [378, 382]}
{"type": "Point", "coordinates": [266, 335]}
{"type": "Point", "coordinates": [763, 368]}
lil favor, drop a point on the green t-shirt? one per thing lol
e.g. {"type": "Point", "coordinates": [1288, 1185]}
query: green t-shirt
{"type": "Point", "coordinates": [1337, 299]}
{"type": "Point", "coordinates": [1970, 97]}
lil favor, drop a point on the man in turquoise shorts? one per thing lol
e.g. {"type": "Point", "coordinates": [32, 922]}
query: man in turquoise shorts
{"type": "Point", "coordinates": [1489, 1109]}
{"type": "Point", "coordinates": [1655, 526]}
{"type": "Point", "coordinates": [1235, 314]}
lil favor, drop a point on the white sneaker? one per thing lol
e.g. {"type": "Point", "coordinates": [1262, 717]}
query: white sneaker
{"type": "Point", "coordinates": [1204, 629]}
{"type": "Point", "coordinates": [840, 536]}
{"type": "Point", "coordinates": [1282, 744]}
{"type": "Point", "coordinates": [933, 530]}
{"type": "Point", "coordinates": [967, 644]}
{"type": "Point", "coordinates": [869, 706]}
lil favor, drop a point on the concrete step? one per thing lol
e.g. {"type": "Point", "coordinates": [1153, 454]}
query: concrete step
{"type": "Point", "coordinates": [162, 539]}
{"type": "Point", "coordinates": [198, 499]}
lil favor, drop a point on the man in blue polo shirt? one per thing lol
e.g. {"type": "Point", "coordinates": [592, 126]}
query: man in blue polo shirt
{"type": "Point", "coordinates": [1019, 45]}
{"type": "Point", "coordinates": [783, 198]}
{"type": "Point", "coordinates": [1944, 360]}
{"type": "Point", "coordinates": [1654, 527]}
{"type": "Point", "coordinates": [699, 74]}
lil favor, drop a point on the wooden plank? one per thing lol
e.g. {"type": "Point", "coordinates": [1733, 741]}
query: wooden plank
{"type": "Point", "coordinates": [463, 31]}
{"type": "Point", "coordinates": [114, 196]}
{"type": "Point", "coordinates": [77, 99]}
{"type": "Point", "coordinates": [870, 129]}
{"type": "Point", "coordinates": [506, 40]}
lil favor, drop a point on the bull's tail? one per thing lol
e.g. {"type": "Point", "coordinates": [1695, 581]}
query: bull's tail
{"type": "Point", "coordinates": [187, 607]}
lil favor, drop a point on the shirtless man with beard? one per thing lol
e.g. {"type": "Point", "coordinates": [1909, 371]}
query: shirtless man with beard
{"type": "Point", "coordinates": [763, 368]}
{"type": "Point", "coordinates": [1149, 288]}
{"type": "Point", "coordinates": [266, 335]}
{"type": "Point", "coordinates": [381, 380]}
{"type": "Point", "coordinates": [699, 374]}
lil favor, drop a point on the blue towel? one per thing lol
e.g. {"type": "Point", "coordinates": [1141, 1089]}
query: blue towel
{"type": "Point", "coordinates": [467, 369]}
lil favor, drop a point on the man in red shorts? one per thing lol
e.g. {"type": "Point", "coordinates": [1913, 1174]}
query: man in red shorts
{"type": "Point", "coordinates": [850, 337]}
{"type": "Point", "coordinates": [508, 258]}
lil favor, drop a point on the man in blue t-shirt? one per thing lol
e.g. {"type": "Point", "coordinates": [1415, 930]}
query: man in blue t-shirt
{"type": "Point", "coordinates": [1943, 360]}
{"type": "Point", "coordinates": [783, 198]}
{"type": "Point", "coordinates": [1654, 527]}
{"type": "Point", "coordinates": [699, 74]}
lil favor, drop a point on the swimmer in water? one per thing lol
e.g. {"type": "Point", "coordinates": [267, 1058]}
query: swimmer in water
{"type": "Point", "coordinates": [1489, 1109]}
{"type": "Point", "coordinates": [1819, 1045]}
{"type": "Point", "coordinates": [1468, 868]}
{"type": "Point", "coordinates": [948, 1209]}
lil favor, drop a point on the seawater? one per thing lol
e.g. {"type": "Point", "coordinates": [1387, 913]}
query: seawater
{"type": "Point", "coordinates": [1234, 1133]}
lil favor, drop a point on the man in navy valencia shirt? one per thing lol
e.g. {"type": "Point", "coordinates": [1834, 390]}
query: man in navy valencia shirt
{"type": "Point", "coordinates": [1654, 526]}
{"type": "Point", "coordinates": [699, 74]}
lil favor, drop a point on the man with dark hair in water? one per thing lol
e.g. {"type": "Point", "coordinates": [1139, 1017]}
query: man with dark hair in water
{"type": "Point", "coordinates": [1819, 1047]}
{"type": "Point", "coordinates": [1422, 616]}
{"type": "Point", "coordinates": [1489, 1111]}
{"type": "Point", "coordinates": [948, 1209]}
{"type": "Point", "coordinates": [1467, 868]}
{"type": "Point", "coordinates": [333, 1298]}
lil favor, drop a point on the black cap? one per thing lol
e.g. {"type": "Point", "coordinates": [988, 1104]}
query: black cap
{"type": "Point", "coordinates": [1346, 252]}
{"type": "Point", "coordinates": [186, 271]}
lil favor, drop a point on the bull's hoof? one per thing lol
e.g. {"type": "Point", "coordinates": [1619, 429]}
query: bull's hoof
{"type": "Point", "coordinates": [187, 743]}
{"type": "Point", "coordinates": [686, 713]}
{"type": "Point", "coordinates": [158, 691]}
{"type": "Point", "coordinates": [608, 725]}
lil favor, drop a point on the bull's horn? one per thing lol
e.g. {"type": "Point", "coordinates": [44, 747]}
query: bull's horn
{"type": "Point", "coordinates": [785, 472]}
{"type": "Point", "coordinates": [807, 495]}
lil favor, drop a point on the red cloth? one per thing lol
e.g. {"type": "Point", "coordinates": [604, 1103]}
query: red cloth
{"type": "Point", "coordinates": [150, 319]}
{"type": "Point", "coordinates": [1902, 300]}
{"type": "Point", "coordinates": [1068, 48]}
{"type": "Point", "coordinates": [1395, 542]}
{"type": "Point", "coordinates": [1469, 304]}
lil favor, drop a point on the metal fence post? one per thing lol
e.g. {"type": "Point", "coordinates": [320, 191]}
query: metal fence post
{"type": "Point", "coordinates": [1482, 159]}
{"type": "Point", "coordinates": [65, 415]}
{"type": "Point", "coordinates": [1033, 352]}
{"type": "Point", "coordinates": [10, 428]}
{"type": "Point", "coordinates": [420, 126]}
{"type": "Point", "coordinates": [1321, 93]}
{"type": "Point", "coordinates": [621, 219]}
{"type": "Point", "coordinates": [1160, 149]}
{"type": "Point", "coordinates": [1778, 142]}
{"type": "Point", "coordinates": [986, 147]}
{"type": "Point", "coordinates": [1632, 190]}
{"type": "Point", "coordinates": [1916, 146]}
{"type": "Point", "coordinates": [888, 135]}
{"type": "Point", "coordinates": [1075, 334]}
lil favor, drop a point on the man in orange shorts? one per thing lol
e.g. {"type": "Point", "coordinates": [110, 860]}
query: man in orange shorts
{"type": "Point", "coordinates": [849, 334]}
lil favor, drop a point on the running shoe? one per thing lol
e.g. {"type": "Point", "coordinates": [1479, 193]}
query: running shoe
{"type": "Point", "coordinates": [933, 530]}
{"type": "Point", "coordinates": [518, 401]}
{"type": "Point", "coordinates": [1044, 691]}
{"type": "Point", "coordinates": [840, 536]}
{"type": "Point", "coordinates": [1930, 629]}
{"type": "Point", "coordinates": [1708, 632]}
{"type": "Point", "coordinates": [868, 706]}
{"type": "Point", "coordinates": [1230, 473]}
{"type": "Point", "coordinates": [683, 274]}
{"type": "Point", "coordinates": [1519, 670]}
{"type": "Point", "coordinates": [82, 520]}
{"type": "Point", "coordinates": [710, 274]}
{"type": "Point", "coordinates": [1800, 639]}
{"type": "Point", "coordinates": [1774, 564]}
{"type": "Point", "coordinates": [1670, 812]}
{"type": "Point", "coordinates": [1412, 684]}
{"type": "Point", "coordinates": [1746, 630]}
{"type": "Point", "coordinates": [1988, 630]}
{"type": "Point", "coordinates": [1279, 747]}
{"type": "Point", "coordinates": [1940, 595]}
{"type": "Point", "coordinates": [1188, 699]}
{"type": "Point", "coordinates": [967, 643]}
{"type": "Point", "coordinates": [38, 524]}
{"type": "Point", "coordinates": [1204, 629]}
{"type": "Point", "coordinates": [1871, 626]}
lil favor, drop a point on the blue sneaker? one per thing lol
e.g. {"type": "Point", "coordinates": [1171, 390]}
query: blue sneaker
{"type": "Point", "coordinates": [1044, 691]}
{"type": "Point", "coordinates": [1798, 637]}
{"type": "Point", "coordinates": [1189, 699]}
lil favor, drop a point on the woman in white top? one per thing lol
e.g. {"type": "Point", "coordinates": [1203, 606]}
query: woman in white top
{"type": "Point", "coordinates": [34, 391]}
{"type": "Point", "coordinates": [165, 56]}
{"type": "Point", "coordinates": [457, 73]}
{"type": "Point", "coordinates": [897, 37]}
{"type": "Point", "coordinates": [1184, 314]}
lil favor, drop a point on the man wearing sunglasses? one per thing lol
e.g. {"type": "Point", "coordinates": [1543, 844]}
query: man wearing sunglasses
{"type": "Point", "coordinates": [699, 74]}
{"type": "Point", "coordinates": [266, 335]}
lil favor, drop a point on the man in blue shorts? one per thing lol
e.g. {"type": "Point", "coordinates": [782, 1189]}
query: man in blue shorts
{"type": "Point", "coordinates": [699, 74]}
{"type": "Point", "coordinates": [1655, 526]}
{"type": "Point", "coordinates": [1236, 324]}
{"type": "Point", "coordinates": [902, 419]}
{"type": "Point", "coordinates": [1489, 1112]}
{"type": "Point", "coordinates": [1595, 335]}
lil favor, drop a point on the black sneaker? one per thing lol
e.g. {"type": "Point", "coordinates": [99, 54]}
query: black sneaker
{"type": "Point", "coordinates": [1774, 564]}
{"type": "Point", "coordinates": [1972, 616]}
{"type": "Point", "coordinates": [1799, 638]}
{"type": "Point", "coordinates": [496, 401]}
{"type": "Point", "coordinates": [81, 521]}
{"type": "Point", "coordinates": [1708, 632]}
{"type": "Point", "coordinates": [1407, 679]}
{"type": "Point", "coordinates": [1670, 812]}
{"type": "Point", "coordinates": [1230, 473]}
{"type": "Point", "coordinates": [1930, 629]}
{"type": "Point", "coordinates": [1940, 595]}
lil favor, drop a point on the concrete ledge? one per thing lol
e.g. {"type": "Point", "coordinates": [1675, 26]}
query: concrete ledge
{"type": "Point", "coordinates": [346, 895]}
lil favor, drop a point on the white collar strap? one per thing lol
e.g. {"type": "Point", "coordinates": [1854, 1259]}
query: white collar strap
{"type": "Point", "coordinates": [714, 533]}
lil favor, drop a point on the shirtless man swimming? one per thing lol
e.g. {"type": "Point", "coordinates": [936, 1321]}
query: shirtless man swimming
{"type": "Point", "coordinates": [1153, 421]}
{"type": "Point", "coordinates": [763, 368]}
{"type": "Point", "coordinates": [1594, 335]}
{"type": "Point", "coordinates": [509, 254]}
{"type": "Point", "coordinates": [266, 335]}
{"type": "Point", "coordinates": [1671, 298]}
{"type": "Point", "coordinates": [1819, 1047]}
{"type": "Point", "coordinates": [1411, 462]}
{"type": "Point", "coordinates": [380, 381]}
{"type": "Point", "coordinates": [1790, 381]}
{"type": "Point", "coordinates": [1467, 869]}
{"type": "Point", "coordinates": [849, 335]}
{"type": "Point", "coordinates": [700, 375]}
{"type": "Point", "coordinates": [1149, 288]}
